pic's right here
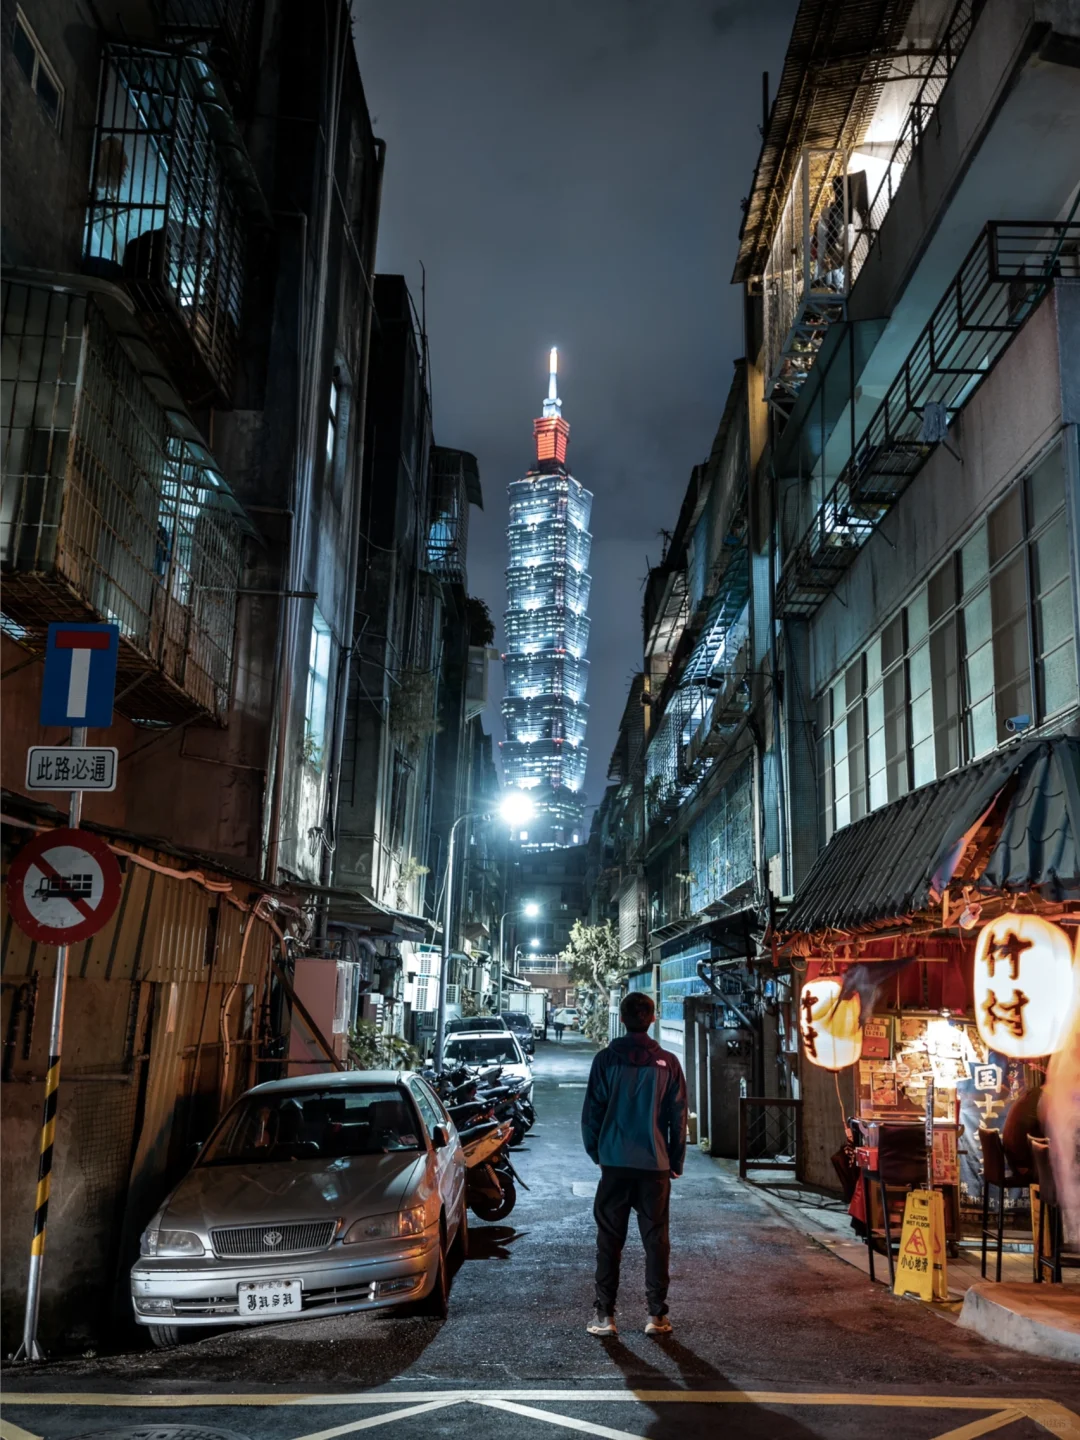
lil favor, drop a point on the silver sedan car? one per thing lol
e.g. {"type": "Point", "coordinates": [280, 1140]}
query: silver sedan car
{"type": "Point", "coordinates": [313, 1196]}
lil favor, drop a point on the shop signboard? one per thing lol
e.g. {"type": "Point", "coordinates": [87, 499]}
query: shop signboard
{"type": "Point", "coordinates": [877, 1039]}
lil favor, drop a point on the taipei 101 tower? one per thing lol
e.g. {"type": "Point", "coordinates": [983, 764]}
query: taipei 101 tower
{"type": "Point", "coordinates": [547, 630]}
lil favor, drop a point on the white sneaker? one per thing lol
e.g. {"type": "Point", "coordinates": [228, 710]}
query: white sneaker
{"type": "Point", "coordinates": [602, 1325]}
{"type": "Point", "coordinates": [658, 1325]}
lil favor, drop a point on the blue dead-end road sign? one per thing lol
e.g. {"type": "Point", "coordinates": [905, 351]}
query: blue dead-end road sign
{"type": "Point", "coordinates": [80, 675]}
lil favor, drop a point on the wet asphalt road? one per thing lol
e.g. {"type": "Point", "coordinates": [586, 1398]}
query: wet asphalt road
{"type": "Point", "coordinates": [774, 1337]}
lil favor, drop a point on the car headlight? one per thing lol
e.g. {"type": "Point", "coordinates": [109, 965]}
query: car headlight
{"type": "Point", "coordinates": [387, 1227]}
{"type": "Point", "coordinates": [177, 1243]}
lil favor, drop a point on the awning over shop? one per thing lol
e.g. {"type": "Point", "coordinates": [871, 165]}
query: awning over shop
{"type": "Point", "coordinates": [359, 911]}
{"type": "Point", "coordinates": [1039, 844]}
{"type": "Point", "coordinates": [898, 861]}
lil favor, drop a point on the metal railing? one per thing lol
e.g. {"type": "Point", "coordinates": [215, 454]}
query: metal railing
{"type": "Point", "coordinates": [770, 1132]}
{"type": "Point", "coordinates": [165, 216]}
{"type": "Point", "coordinates": [828, 226]}
{"type": "Point", "coordinates": [1004, 277]}
{"type": "Point", "coordinates": [110, 513]}
{"type": "Point", "coordinates": [942, 63]}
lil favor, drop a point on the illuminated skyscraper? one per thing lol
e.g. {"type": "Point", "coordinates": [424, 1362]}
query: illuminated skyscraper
{"type": "Point", "coordinates": [547, 630]}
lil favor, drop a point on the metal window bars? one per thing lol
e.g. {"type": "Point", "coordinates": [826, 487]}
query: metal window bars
{"type": "Point", "coordinates": [807, 274]}
{"type": "Point", "coordinates": [226, 30]}
{"type": "Point", "coordinates": [1004, 277]}
{"type": "Point", "coordinates": [448, 531]}
{"type": "Point", "coordinates": [164, 217]}
{"type": "Point", "coordinates": [828, 226]}
{"type": "Point", "coordinates": [111, 511]}
{"type": "Point", "coordinates": [941, 65]}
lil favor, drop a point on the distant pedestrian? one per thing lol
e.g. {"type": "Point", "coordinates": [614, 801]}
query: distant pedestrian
{"type": "Point", "coordinates": [559, 1028]}
{"type": "Point", "coordinates": [633, 1124]}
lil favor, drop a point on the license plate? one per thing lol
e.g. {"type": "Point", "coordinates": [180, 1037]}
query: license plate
{"type": "Point", "coordinates": [270, 1297]}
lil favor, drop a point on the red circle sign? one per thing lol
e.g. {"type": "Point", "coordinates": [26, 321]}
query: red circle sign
{"type": "Point", "coordinates": [63, 886]}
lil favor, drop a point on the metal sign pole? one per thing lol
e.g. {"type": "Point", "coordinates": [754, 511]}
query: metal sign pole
{"type": "Point", "coordinates": [30, 1349]}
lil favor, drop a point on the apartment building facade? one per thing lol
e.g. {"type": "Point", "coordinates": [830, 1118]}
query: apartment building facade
{"type": "Point", "coordinates": [869, 609]}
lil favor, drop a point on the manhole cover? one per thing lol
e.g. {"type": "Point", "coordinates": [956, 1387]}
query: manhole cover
{"type": "Point", "coordinates": [162, 1432]}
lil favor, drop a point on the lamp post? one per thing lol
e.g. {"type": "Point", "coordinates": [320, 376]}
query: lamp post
{"type": "Point", "coordinates": [514, 809]}
{"type": "Point", "coordinates": [531, 909]}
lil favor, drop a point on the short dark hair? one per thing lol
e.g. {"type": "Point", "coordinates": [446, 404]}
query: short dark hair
{"type": "Point", "coordinates": [637, 1011]}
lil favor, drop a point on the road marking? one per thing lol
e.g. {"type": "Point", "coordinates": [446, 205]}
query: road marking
{"type": "Point", "coordinates": [564, 1422]}
{"type": "Point", "coordinates": [371, 1421]}
{"type": "Point", "coordinates": [984, 1426]}
{"type": "Point", "coordinates": [578, 1396]}
{"type": "Point", "coordinates": [10, 1431]}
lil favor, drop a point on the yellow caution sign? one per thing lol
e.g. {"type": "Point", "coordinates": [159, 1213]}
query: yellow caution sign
{"type": "Point", "coordinates": [920, 1265]}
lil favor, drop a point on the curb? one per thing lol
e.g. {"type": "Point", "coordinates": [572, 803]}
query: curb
{"type": "Point", "coordinates": [1047, 1325]}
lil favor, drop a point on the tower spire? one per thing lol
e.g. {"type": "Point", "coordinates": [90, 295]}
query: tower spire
{"type": "Point", "coordinates": [553, 405]}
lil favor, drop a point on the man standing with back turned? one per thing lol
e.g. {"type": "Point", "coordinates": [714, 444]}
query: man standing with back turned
{"type": "Point", "coordinates": [633, 1124]}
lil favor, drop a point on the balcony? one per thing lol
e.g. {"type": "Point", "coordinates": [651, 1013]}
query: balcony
{"type": "Point", "coordinates": [113, 510]}
{"type": "Point", "coordinates": [225, 31]}
{"type": "Point", "coordinates": [454, 486]}
{"type": "Point", "coordinates": [1006, 274]}
{"type": "Point", "coordinates": [170, 186]}
{"type": "Point", "coordinates": [836, 205]}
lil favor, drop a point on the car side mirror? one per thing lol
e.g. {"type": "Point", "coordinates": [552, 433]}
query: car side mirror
{"type": "Point", "coordinates": [440, 1137]}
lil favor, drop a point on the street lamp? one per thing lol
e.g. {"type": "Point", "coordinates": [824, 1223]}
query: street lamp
{"type": "Point", "coordinates": [515, 808]}
{"type": "Point", "coordinates": [531, 909]}
{"type": "Point", "coordinates": [534, 943]}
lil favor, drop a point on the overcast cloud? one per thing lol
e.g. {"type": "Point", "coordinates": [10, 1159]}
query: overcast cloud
{"type": "Point", "coordinates": [569, 173]}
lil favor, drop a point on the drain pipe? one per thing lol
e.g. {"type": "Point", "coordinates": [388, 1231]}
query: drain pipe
{"type": "Point", "coordinates": [710, 980]}
{"type": "Point", "coordinates": [337, 740]}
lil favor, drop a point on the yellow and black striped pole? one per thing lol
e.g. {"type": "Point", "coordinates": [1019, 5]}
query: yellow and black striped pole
{"type": "Point", "coordinates": [30, 1349]}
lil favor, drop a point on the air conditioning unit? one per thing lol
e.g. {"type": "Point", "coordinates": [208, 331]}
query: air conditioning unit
{"type": "Point", "coordinates": [453, 994]}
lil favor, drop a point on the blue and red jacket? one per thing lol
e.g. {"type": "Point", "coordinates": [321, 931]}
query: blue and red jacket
{"type": "Point", "coordinates": [634, 1116]}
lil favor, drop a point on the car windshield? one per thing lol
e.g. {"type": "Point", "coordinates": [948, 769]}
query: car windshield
{"type": "Point", "coordinates": [518, 1020]}
{"type": "Point", "coordinates": [310, 1124]}
{"type": "Point", "coordinates": [483, 1050]}
{"type": "Point", "coordinates": [477, 1022]}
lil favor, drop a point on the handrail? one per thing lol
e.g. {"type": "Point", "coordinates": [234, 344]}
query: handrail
{"type": "Point", "coordinates": [1006, 274]}
{"type": "Point", "coordinates": [953, 39]}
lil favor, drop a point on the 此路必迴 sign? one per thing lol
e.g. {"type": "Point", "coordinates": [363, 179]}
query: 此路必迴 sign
{"type": "Point", "coordinates": [66, 767]}
{"type": "Point", "coordinates": [63, 886]}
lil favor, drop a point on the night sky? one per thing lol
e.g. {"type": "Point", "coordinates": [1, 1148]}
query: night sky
{"type": "Point", "coordinates": [569, 173]}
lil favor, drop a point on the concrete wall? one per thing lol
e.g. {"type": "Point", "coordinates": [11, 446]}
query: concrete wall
{"type": "Point", "coordinates": [1013, 416]}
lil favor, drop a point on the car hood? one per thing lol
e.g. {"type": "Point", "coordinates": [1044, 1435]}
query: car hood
{"type": "Point", "coordinates": [356, 1186]}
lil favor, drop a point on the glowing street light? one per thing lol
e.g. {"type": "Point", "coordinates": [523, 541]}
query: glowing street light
{"type": "Point", "coordinates": [534, 944]}
{"type": "Point", "coordinates": [532, 909]}
{"type": "Point", "coordinates": [515, 809]}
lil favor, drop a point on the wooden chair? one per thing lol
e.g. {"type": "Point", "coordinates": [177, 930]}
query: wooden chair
{"type": "Point", "coordinates": [901, 1168]}
{"type": "Point", "coordinates": [1049, 1216]}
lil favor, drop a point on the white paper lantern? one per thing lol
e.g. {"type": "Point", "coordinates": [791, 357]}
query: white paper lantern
{"type": "Point", "coordinates": [831, 1028]}
{"type": "Point", "coordinates": [1023, 985]}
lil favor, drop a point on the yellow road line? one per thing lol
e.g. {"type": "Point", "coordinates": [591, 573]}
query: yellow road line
{"type": "Point", "coordinates": [10, 1431]}
{"type": "Point", "coordinates": [984, 1425]}
{"type": "Point", "coordinates": [1056, 1415]}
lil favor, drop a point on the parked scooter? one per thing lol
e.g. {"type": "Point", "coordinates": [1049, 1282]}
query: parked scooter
{"type": "Point", "coordinates": [490, 1175]}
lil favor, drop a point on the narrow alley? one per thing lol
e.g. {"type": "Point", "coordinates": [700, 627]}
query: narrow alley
{"type": "Point", "coordinates": [773, 1337]}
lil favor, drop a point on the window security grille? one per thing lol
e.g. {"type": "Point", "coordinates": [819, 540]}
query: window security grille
{"type": "Point", "coordinates": [109, 513]}
{"type": "Point", "coordinates": [163, 217]}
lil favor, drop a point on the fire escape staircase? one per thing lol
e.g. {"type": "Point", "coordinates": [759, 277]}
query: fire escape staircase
{"type": "Point", "coordinates": [1005, 276]}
